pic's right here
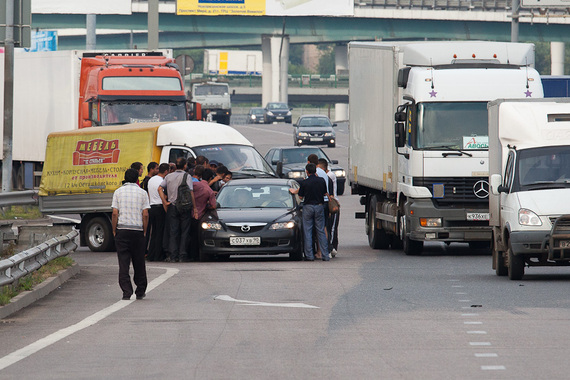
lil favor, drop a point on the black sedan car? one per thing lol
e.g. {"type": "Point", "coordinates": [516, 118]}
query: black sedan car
{"type": "Point", "coordinates": [290, 161]}
{"type": "Point", "coordinates": [315, 130]}
{"type": "Point", "coordinates": [254, 217]}
{"type": "Point", "coordinates": [255, 115]}
{"type": "Point", "coordinates": [275, 111]}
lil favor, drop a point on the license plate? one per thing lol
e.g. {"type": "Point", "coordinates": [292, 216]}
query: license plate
{"type": "Point", "coordinates": [245, 241]}
{"type": "Point", "coordinates": [477, 216]}
{"type": "Point", "coordinates": [316, 139]}
{"type": "Point", "coordinates": [564, 243]}
{"type": "Point", "coordinates": [280, 118]}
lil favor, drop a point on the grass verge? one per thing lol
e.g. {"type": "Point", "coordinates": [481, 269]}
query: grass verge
{"type": "Point", "coordinates": [21, 212]}
{"type": "Point", "coordinates": [28, 282]}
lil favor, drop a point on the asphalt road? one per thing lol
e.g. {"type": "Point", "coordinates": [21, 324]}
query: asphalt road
{"type": "Point", "coordinates": [364, 315]}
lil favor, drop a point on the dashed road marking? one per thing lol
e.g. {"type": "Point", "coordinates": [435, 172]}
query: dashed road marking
{"type": "Point", "coordinates": [492, 367]}
{"type": "Point", "coordinates": [486, 355]}
{"type": "Point", "coordinates": [469, 314]}
{"type": "Point", "coordinates": [472, 323]}
{"type": "Point", "coordinates": [479, 343]}
{"type": "Point", "coordinates": [477, 332]}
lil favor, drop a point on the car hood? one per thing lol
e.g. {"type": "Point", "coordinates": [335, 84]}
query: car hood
{"type": "Point", "coordinates": [251, 215]}
{"type": "Point", "coordinates": [301, 167]}
{"type": "Point", "coordinates": [315, 129]}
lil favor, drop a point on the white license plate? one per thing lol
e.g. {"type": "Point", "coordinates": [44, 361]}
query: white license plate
{"type": "Point", "coordinates": [476, 216]}
{"type": "Point", "coordinates": [564, 243]}
{"type": "Point", "coordinates": [245, 241]}
{"type": "Point", "coordinates": [316, 139]}
{"type": "Point", "coordinates": [280, 118]}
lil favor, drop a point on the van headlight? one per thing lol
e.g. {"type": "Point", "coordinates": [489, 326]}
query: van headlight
{"type": "Point", "coordinates": [339, 173]}
{"type": "Point", "coordinates": [528, 218]}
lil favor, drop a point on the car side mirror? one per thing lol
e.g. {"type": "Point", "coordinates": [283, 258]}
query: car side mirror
{"type": "Point", "coordinates": [334, 162]}
{"type": "Point", "coordinates": [279, 169]}
{"type": "Point", "coordinates": [399, 135]}
{"type": "Point", "coordinates": [335, 124]}
{"type": "Point", "coordinates": [295, 125]}
{"type": "Point", "coordinates": [496, 185]}
{"type": "Point", "coordinates": [218, 205]}
{"type": "Point", "coordinates": [274, 162]}
{"type": "Point", "coordinates": [291, 109]}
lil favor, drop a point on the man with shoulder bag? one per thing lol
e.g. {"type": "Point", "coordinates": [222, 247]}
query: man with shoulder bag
{"type": "Point", "coordinates": [179, 207]}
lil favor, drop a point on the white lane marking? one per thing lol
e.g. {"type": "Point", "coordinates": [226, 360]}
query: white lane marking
{"type": "Point", "coordinates": [492, 367]}
{"type": "Point", "coordinates": [464, 300]}
{"type": "Point", "coordinates": [487, 355]}
{"type": "Point", "coordinates": [477, 332]}
{"type": "Point", "coordinates": [64, 218]}
{"type": "Point", "coordinates": [472, 323]}
{"type": "Point", "coordinates": [469, 314]}
{"type": "Point", "coordinates": [255, 303]}
{"type": "Point", "coordinates": [32, 348]}
{"type": "Point", "coordinates": [460, 293]}
{"type": "Point", "coordinates": [456, 286]}
{"type": "Point", "coordinates": [453, 280]}
{"type": "Point", "coordinates": [479, 343]}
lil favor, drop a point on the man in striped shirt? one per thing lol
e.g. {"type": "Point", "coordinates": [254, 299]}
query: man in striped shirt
{"type": "Point", "coordinates": [130, 220]}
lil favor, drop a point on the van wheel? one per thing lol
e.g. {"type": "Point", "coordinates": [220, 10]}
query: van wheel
{"type": "Point", "coordinates": [410, 247]}
{"type": "Point", "coordinates": [516, 265]}
{"type": "Point", "coordinates": [377, 237]}
{"type": "Point", "coordinates": [340, 188]}
{"type": "Point", "coordinates": [99, 236]}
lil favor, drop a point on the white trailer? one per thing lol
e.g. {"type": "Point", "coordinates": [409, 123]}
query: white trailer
{"type": "Point", "coordinates": [529, 167]}
{"type": "Point", "coordinates": [424, 178]}
{"type": "Point", "coordinates": [46, 99]}
{"type": "Point", "coordinates": [233, 62]}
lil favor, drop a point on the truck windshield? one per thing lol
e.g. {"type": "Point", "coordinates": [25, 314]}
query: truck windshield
{"type": "Point", "coordinates": [208, 89]}
{"type": "Point", "coordinates": [543, 167]}
{"type": "Point", "coordinates": [127, 112]}
{"type": "Point", "coordinates": [142, 83]}
{"type": "Point", "coordinates": [242, 160]}
{"type": "Point", "coordinates": [454, 125]}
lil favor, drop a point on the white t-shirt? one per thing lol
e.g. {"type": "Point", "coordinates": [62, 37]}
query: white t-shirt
{"type": "Point", "coordinates": [321, 173]}
{"type": "Point", "coordinates": [153, 184]}
{"type": "Point", "coordinates": [333, 177]}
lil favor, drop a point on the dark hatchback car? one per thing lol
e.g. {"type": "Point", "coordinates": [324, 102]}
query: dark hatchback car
{"type": "Point", "coordinates": [290, 161]}
{"type": "Point", "coordinates": [254, 217]}
{"type": "Point", "coordinates": [255, 115]}
{"type": "Point", "coordinates": [314, 130]}
{"type": "Point", "coordinates": [275, 111]}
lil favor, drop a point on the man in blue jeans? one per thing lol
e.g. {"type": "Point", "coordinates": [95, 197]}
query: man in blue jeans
{"type": "Point", "coordinates": [313, 190]}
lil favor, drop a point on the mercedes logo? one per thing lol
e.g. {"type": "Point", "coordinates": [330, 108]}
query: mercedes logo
{"type": "Point", "coordinates": [481, 189]}
{"type": "Point", "coordinates": [246, 228]}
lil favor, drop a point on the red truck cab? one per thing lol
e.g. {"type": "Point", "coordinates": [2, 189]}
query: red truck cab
{"type": "Point", "coordinates": [124, 88]}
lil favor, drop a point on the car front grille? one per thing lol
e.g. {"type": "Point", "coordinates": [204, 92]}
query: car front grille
{"type": "Point", "coordinates": [459, 191]}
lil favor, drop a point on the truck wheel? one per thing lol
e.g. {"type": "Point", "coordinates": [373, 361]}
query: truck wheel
{"type": "Point", "coordinates": [409, 246]}
{"type": "Point", "coordinates": [516, 265]}
{"type": "Point", "coordinates": [340, 188]}
{"type": "Point", "coordinates": [98, 235]}
{"type": "Point", "coordinates": [377, 237]}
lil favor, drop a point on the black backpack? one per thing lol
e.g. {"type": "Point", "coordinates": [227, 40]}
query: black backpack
{"type": "Point", "coordinates": [184, 199]}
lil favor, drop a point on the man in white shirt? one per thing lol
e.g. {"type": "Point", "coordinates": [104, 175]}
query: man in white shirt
{"type": "Point", "coordinates": [129, 221]}
{"type": "Point", "coordinates": [157, 216]}
{"type": "Point", "coordinates": [334, 218]}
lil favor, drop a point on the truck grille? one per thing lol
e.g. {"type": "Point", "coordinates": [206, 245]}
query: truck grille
{"type": "Point", "coordinates": [461, 192]}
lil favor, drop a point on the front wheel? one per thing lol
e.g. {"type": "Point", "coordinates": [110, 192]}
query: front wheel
{"type": "Point", "coordinates": [410, 247]}
{"type": "Point", "coordinates": [98, 235]}
{"type": "Point", "coordinates": [516, 265]}
{"type": "Point", "coordinates": [377, 237]}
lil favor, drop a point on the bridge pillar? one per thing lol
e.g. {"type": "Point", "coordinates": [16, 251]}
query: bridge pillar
{"type": "Point", "coordinates": [557, 58]}
{"type": "Point", "coordinates": [274, 84]}
{"type": "Point", "coordinates": [341, 68]}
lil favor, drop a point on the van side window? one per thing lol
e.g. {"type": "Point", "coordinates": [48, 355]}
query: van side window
{"type": "Point", "coordinates": [508, 179]}
{"type": "Point", "coordinates": [178, 152]}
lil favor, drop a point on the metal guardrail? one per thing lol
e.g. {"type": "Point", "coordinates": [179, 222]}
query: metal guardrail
{"type": "Point", "coordinates": [19, 198]}
{"type": "Point", "coordinates": [24, 263]}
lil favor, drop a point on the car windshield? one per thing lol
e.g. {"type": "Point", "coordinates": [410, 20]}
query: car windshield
{"type": "Point", "coordinates": [299, 155]}
{"type": "Point", "coordinates": [277, 106]}
{"type": "Point", "coordinates": [453, 125]}
{"type": "Point", "coordinates": [255, 196]}
{"type": "Point", "coordinates": [128, 112]}
{"type": "Point", "coordinates": [314, 122]}
{"type": "Point", "coordinates": [210, 89]}
{"type": "Point", "coordinates": [544, 166]}
{"type": "Point", "coordinates": [237, 158]}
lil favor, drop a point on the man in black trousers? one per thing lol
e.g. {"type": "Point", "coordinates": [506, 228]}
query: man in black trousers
{"type": "Point", "coordinates": [130, 220]}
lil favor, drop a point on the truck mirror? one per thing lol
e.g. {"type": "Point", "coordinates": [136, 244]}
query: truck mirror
{"type": "Point", "coordinates": [279, 169]}
{"type": "Point", "coordinates": [495, 184]}
{"type": "Point", "coordinates": [399, 135]}
{"type": "Point", "coordinates": [400, 116]}
{"type": "Point", "coordinates": [87, 124]}
{"type": "Point", "coordinates": [334, 162]}
{"type": "Point", "coordinates": [86, 111]}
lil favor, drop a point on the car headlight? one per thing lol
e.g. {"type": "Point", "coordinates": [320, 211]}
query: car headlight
{"type": "Point", "coordinates": [211, 226]}
{"type": "Point", "coordinates": [339, 173]}
{"type": "Point", "coordinates": [253, 117]}
{"type": "Point", "coordinates": [328, 134]}
{"type": "Point", "coordinates": [269, 113]}
{"type": "Point", "coordinates": [282, 225]}
{"type": "Point", "coordinates": [303, 134]}
{"type": "Point", "coordinates": [296, 174]}
{"type": "Point", "coordinates": [289, 113]}
{"type": "Point", "coordinates": [528, 218]}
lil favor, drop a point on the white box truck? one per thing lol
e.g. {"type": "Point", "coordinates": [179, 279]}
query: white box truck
{"type": "Point", "coordinates": [425, 177]}
{"type": "Point", "coordinates": [529, 167]}
{"type": "Point", "coordinates": [233, 62]}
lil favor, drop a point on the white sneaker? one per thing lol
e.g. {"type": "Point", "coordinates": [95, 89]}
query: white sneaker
{"type": "Point", "coordinates": [333, 252]}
